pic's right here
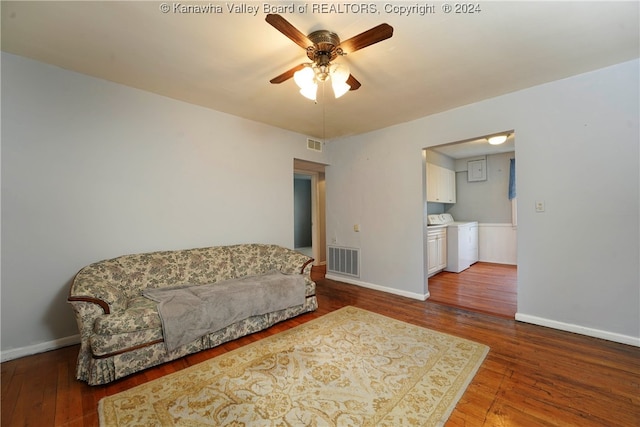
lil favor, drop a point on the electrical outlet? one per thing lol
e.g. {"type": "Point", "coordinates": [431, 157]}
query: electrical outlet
{"type": "Point", "coordinates": [540, 206]}
{"type": "Point", "coordinates": [356, 228]}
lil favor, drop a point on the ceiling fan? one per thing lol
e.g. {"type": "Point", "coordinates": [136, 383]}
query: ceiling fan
{"type": "Point", "coordinates": [322, 48]}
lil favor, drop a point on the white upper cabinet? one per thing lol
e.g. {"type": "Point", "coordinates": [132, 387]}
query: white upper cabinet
{"type": "Point", "coordinates": [441, 184]}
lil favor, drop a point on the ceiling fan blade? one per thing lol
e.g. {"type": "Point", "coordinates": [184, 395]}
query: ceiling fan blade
{"type": "Point", "coordinates": [369, 37]}
{"type": "Point", "coordinates": [282, 25]}
{"type": "Point", "coordinates": [351, 81]}
{"type": "Point", "coordinates": [287, 74]}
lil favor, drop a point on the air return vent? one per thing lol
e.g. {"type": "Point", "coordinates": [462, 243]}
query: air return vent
{"type": "Point", "coordinates": [314, 145]}
{"type": "Point", "coordinates": [344, 261]}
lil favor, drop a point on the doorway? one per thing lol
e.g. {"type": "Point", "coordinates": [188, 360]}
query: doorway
{"type": "Point", "coordinates": [309, 209]}
{"type": "Point", "coordinates": [483, 198]}
{"type": "Point", "coordinates": [302, 210]}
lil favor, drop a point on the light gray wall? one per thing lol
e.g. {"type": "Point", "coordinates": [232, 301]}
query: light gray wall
{"type": "Point", "coordinates": [485, 201]}
{"type": "Point", "coordinates": [440, 159]}
{"type": "Point", "coordinates": [93, 170]}
{"type": "Point", "coordinates": [577, 151]}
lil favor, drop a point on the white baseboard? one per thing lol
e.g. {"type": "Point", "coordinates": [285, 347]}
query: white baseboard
{"type": "Point", "coordinates": [582, 330]}
{"type": "Point", "coordinates": [413, 295]}
{"type": "Point", "coordinates": [16, 353]}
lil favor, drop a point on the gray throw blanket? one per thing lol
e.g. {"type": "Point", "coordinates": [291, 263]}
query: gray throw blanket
{"type": "Point", "coordinates": [189, 312]}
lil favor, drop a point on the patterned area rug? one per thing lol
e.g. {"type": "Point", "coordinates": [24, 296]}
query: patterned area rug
{"type": "Point", "coordinates": [348, 368]}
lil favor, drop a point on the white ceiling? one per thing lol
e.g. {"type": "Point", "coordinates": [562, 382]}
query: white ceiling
{"type": "Point", "coordinates": [224, 61]}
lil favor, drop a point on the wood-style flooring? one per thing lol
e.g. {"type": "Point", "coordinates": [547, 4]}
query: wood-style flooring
{"type": "Point", "coordinates": [532, 376]}
{"type": "Point", "coordinates": [483, 287]}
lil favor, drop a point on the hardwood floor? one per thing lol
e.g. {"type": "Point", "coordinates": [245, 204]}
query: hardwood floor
{"type": "Point", "coordinates": [484, 287]}
{"type": "Point", "coordinates": [532, 376]}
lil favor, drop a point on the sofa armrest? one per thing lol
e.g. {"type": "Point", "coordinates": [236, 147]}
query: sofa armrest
{"type": "Point", "coordinates": [306, 267]}
{"type": "Point", "coordinates": [292, 262]}
{"type": "Point", "coordinates": [106, 296]}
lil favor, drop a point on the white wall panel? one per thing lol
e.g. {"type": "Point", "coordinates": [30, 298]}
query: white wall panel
{"type": "Point", "coordinates": [497, 243]}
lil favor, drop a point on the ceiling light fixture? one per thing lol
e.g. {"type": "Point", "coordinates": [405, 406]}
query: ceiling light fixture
{"type": "Point", "coordinates": [497, 139]}
{"type": "Point", "coordinates": [311, 75]}
{"type": "Point", "coordinates": [323, 47]}
{"type": "Point", "coordinates": [324, 50]}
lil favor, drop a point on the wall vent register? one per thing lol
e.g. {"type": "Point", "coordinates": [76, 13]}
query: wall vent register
{"type": "Point", "coordinates": [344, 261]}
{"type": "Point", "coordinates": [314, 144]}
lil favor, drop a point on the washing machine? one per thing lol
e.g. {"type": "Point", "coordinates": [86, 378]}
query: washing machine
{"type": "Point", "coordinates": [462, 241]}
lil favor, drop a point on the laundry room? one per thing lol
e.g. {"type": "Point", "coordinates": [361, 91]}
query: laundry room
{"type": "Point", "coordinates": [470, 209]}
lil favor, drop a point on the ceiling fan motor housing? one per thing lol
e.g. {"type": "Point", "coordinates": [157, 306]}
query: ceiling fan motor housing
{"type": "Point", "coordinates": [324, 50]}
{"type": "Point", "coordinates": [325, 44]}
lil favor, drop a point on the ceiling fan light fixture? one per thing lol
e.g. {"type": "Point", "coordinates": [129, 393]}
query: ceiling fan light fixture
{"type": "Point", "coordinates": [339, 88]}
{"type": "Point", "coordinates": [497, 140]}
{"type": "Point", "coordinates": [310, 91]}
{"type": "Point", "coordinates": [322, 74]}
{"type": "Point", "coordinates": [339, 73]}
{"type": "Point", "coordinates": [305, 77]}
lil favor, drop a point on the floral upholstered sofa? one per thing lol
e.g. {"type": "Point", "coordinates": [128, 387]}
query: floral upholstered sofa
{"type": "Point", "coordinates": [121, 329]}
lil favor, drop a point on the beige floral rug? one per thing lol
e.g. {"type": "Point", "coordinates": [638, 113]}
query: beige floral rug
{"type": "Point", "coordinates": [348, 368]}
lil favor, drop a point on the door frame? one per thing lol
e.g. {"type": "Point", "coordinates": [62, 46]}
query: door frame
{"type": "Point", "coordinates": [318, 239]}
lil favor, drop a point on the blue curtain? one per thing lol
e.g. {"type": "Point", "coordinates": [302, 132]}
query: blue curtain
{"type": "Point", "coordinates": [512, 179]}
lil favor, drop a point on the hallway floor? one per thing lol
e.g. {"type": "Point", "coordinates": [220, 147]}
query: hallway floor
{"type": "Point", "coordinates": [308, 251]}
{"type": "Point", "coordinates": [484, 287]}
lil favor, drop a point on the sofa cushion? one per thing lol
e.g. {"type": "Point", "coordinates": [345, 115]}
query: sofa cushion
{"type": "Point", "coordinates": [207, 265]}
{"type": "Point", "coordinates": [171, 268]}
{"type": "Point", "coordinates": [141, 313]}
{"type": "Point", "coordinates": [251, 259]}
{"type": "Point", "coordinates": [255, 259]}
